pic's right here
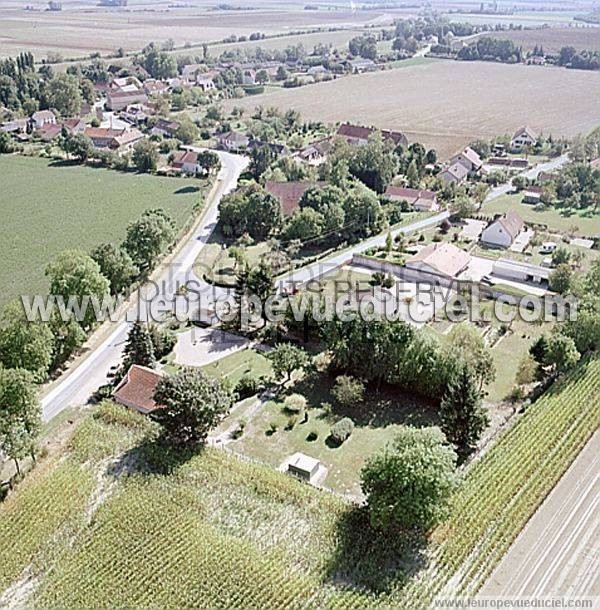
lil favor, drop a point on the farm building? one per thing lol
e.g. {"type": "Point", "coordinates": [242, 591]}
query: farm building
{"type": "Point", "coordinates": [423, 200]}
{"type": "Point", "coordinates": [357, 134]}
{"type": "Point", "coordinates": [289, 193]}
{"type": "Point", "coordinates": [136, 390]}
{"type": "Point", "coordinates": [517, 271]}
{"type": "Point", "coordinates": [165, 128]}
{"type": "Point", "coordinates": [303, 466]}
{"type": "Point", "coordinates": [523, 138]}
{"type": "Point", "coordinates": [362, 65]}
{"type": "Point", "coordinates": [114, 139]}
{"type": "Point", "coordinates": [118, 99]}
{"type": "Point", "coordinates": [503, 231]}
{"type": "Point", "coordinates": [439, 259]}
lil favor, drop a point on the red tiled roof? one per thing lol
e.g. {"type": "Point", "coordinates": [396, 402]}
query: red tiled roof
{"type": "Point", "coordinates": [289, 193]}
{"type": "Point", "coordinates": [49, 131]}
{"type": "Point", "coordinates": [137, 388]}
{"type": "Point", "coordinates": [184, 156]}
{"type": "Point", "coordinates": [359, 132]}
{"type": "Point", "coordinates": [102, 132]}
{"type": "Point", "coordinates": [411, 195]}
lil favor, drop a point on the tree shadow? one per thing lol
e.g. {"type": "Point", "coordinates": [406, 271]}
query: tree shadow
{"type": "Point", "coordinates": [65, 163]}
{"type": "Point", "coordinates": [186, 190]}
{"type": "Point", "coordinates": [373, 560]}
{"type": "Point", "coordinates": [153, 456]}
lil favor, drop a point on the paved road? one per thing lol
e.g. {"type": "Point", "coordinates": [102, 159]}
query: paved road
{"type": "Point", "coordinates": [76, 387]}
{"type": "Point", "coordinates": [549, 166]}
{"type": "Point", "coordinates": [558, 552]}
{"type": "Point", "coordinates": [304, 274]}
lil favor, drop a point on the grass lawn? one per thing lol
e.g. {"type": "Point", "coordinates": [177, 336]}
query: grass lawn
{"type": "Point", "coordinates": [587, 222]}
{"type": "Point", "coordinates": [235, 366]}
{"type": "Point", "coordinates": [376, 420]}
{"type": "Point", "coordinates": [47, 207]}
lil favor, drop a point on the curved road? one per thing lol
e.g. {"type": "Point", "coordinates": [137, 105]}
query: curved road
{"type": "Point", "coordinates": [78, 384]}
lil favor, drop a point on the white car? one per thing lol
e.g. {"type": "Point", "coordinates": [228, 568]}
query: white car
{"type": "Point", "coordinates": [547, 247]}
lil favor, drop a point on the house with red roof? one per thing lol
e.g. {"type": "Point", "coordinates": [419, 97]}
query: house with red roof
{"type": "Point", "coordinates": [423, 200]}
{"type": "Point", "coordinates": [357, 134]}
{"type": "Point", "coordinates": [136, 389]}
{"type": "Point", "coordinates": [290, 193]}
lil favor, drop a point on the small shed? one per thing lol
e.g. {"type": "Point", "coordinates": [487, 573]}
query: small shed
{"type": "Point", "coordinates": [303, 466]}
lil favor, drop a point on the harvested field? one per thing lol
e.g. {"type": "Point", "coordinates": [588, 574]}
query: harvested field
{"type": "Point", "coordinates": [446, 104]}
{"type": "Point", "coordinates": [76, 33]}
{"type": "Point", "coordinates": [552, 39]}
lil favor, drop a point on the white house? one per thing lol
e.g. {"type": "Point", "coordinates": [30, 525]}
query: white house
{"type": "Point", "coordinates": [523, 138]}
{"type": "Point", "coordinates": [454, 173]}
{"type": "Point", "coordinates": [186, 161]}
{"type": "Point", "coordinates": [503, 231]}
{"type": "Point", "coordinates": [41, 118]}
{"type": "Point", "coordinates": [469, 159]}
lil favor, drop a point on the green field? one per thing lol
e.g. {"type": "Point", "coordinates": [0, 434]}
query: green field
{"type": "Point", "coordinates": [47, 207]}
{"type": "Point", "coordinates": [127, 526]}
{"type": "Point", "coordinates": [587, 223]}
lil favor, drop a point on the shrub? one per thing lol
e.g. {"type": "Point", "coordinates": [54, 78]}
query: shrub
{"type": "Point", "coordinates": [248, 386]}
{"type": "Point", "coordinates": [341, 430]}
{"type": "Point", "coordinates": [312, 436]}
{"type": "Point", "coordinates": [348, 390]}
{"type": "Point", "coordinates": [239, 429]}
{"type": "Point", "coordinates": [272, 428]}
{"type": "Point", "coordinates": [294, 403]}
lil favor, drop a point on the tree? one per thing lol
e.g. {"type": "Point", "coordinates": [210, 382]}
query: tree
{"type": "Point", "coordinates": [25, 344]}
{"type": "Point", "coordinates": [527, 371]}
{"type": "Point", "coordinates": [261, 158]}
{"type": "Point", "coordinates": [76, 274]}
{"type": "Point", "coordinates": [250, 210]}
{"type": "Point", "coordinates": [282, 74]}
{"type": "Point", "coordinates": [329, 202]}
{"type": "Point", "coordinates": [20, 414]}
{"type": "Point", "coordinates": [63, 94]}
{"type": "Point", "coordinates": [187, 131]}
{"type": "Point", "coordinates": [363, 212]}
{"type": "Point", "coordinates": [562, 353]}
{"type": "Point", "coordinates": [462, 417]}
{"type": "Point", "coordinates": [303, 224]}
{"type": "Point", "coordinates": [6, 144]}
{"type": "Point", "coordinates": [560, 279]}
{"type": "Point", "coordinates": [374, 163]}
{"type": "Point", "coordinates": [262, 77]}
{"type": "Point", "coordinates": [147, 237]}
{"type": "Point", "coordinates": [408, 484]}
{"type": "Point", "coordinates": [462, 207]}
{"type": "Point", "coordinates": [68, 336]}
{"type": "Point", "coordinates": [560, 256]}
{"type": "Point", "coordinates": [78, 146]}
{"type": "Point", "coordinates": [145, 156]}
{"type": "Point", "coordinates": [209, 160]}
{"type": "Point", "coordinates": [191, 405]}
{"type": "Point", "coordinates": [115, 265]}
{"type": "Point", "coordinates": [286, 358]}
{"type": "Point", "coordinates": [412, 175]}
{"type": "Point", "coordinates": [469, 345]}
{"type": "Point", "coordinates": [139, 348]}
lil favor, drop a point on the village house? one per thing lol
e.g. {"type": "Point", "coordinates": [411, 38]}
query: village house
{"type": "Point", "coordinates": [357, 134]}
{"type": "Point", "coordinates": [315, 153]}
{"type": "Point", "coordinates": [532, 194]}
{"type": "Point", "coordinates": [155, 87]}
{"type": "Point", "coordinates": [503, 231]}
{"type": "Point", "coordinates": [41, 118]}
{"type": "Point", "coordinates": [136, 389]}
{"type": "Point", "coordinates": [104, 138]}
{"type": "Point", "coordinates": [453, 174]}
{"type": "Point", "coordinates": [189, 72]}
{"type": "Point", "coordinates": [137, 114]}
{"type": "Point", "coordinates": [523, 138]}
{"type": "Point", "coordinates": [165, 128]}
{"type": "Point", "coordinates": [186, 162]}
{"type": "Point", "coordinates": [49, 132]}
{"type": "Point", "coordinates": [15, 127]}
{"type": "Point", "coordinates": [279, 149]}
{"type": "Point", "coordinates": [358, 66]}
{"type": "Point", "coordinates": [422, 200]}
{"type": "Point", "coordinates": [126, 84]}
{"type": "Point", "coordinates": [438, 261]}
{"type": "Point", "coordinates": [469, 159]}
{"type": "Point", "coordinates": [74, 125]}
{"type": "Point", "coordinates": [290, 193]}
{"type": "Point", "coordinates": [233, 141]}
{"type": "Point", "coordinates": [118, 100]}
{"type": "Point", "coordinates": [206, 81]}
{"type": "Point", "coordinates": [517, 271]}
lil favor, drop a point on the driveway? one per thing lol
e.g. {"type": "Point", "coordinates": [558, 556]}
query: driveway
{"type": "Point", "coordinates": [200, 346]}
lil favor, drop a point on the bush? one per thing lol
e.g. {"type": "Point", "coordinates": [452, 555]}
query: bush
{"type": "Point", "coordinates": [248, 386]}
{"type": "Point", "coordinates": [312, 436]}
{"type": "Point", "coordinates": [348, 390]}
{"type": "Point", "coordinates": [239, 429]}
{"type": "Point", "coordinates": [341, 430]}
{"type": "Point", "coordinates": [294, 403]}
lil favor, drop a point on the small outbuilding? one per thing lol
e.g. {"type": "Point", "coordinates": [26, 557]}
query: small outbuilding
{"type": "Point", "coordinates": [303, 466]}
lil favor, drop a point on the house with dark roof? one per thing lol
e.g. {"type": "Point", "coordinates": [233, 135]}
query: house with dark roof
{"type": "Point", "coordinates": [165, 128]}
{"type": "Point", "coordinates": [503, 231]}
{"type": "Point", "coordinates": [119, 99]}
{"type": "Point", "coordinates": [49, 132]}
{"type": "Point", "coordinates": [423, 200]}
{"type": "Point", "coordinates": [357, 134]}
{"type": "Point", "coordinates": [41, 118]}
{"type": "Point", "coordinates": [454, 173]}
{"type": "Point", "coordinates": [234, 140]}
{"type": "Point", "coordinates": [315, 153]}
{"type": "Point", "coordinates": [279, 149]}
{"type": "Point", "coordinates": [290, 193]}
{"type": "Point", "coordinates": [532, 194]}
{"type": "Point", "coordinates": [136, 389]}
